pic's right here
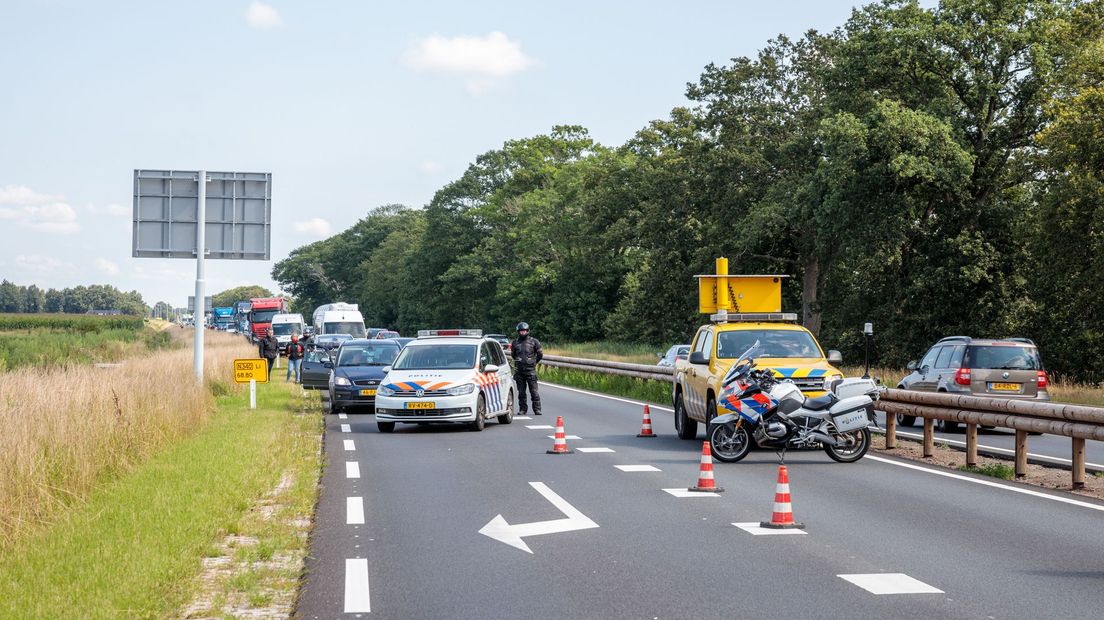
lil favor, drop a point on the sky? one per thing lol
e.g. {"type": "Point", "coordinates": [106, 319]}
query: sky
{"type": "Point", "coordinates": [349, 104]}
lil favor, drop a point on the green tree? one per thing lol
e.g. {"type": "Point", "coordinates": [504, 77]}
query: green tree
{"type": "Point", "coordinates": [228, 297]}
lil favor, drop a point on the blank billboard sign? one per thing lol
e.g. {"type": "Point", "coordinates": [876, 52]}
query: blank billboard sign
{"type": "Point", "coordinates": [238, 214]}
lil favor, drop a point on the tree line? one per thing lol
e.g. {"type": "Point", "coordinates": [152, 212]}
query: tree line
{"type": "Point", "coordinates": [933, 171]}
{"type": "Point", "coordinates": [15, 298]}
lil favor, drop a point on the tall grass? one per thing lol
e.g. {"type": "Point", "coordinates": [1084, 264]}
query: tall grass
{"type": "Point", "coordinates": [83, 323]}
{"type": "Point", "coordinates": [606, 350]}
{"type": "Point", "coordinates": [66, 429]}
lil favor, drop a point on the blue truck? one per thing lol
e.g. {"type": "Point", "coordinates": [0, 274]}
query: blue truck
{"type": "Point", "coordinates": [223, 319]}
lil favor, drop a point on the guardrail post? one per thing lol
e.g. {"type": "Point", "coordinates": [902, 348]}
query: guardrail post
{"type": "Point", "coordinates": [1021, 453]}
{"type": "Point", "coordinates": [971, 445]}
{"type": "Point", "coordinates": [929, 437]}
{"type": "Point", "coordinates": [891, 431]}
{"type": "Point", "coordinates": [1078, 462]}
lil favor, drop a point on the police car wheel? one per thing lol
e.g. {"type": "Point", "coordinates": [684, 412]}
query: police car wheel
{"type": "Point", "coordinates": [684, 426]}
{"type": "Point", "coordinates": [385, 427]}
{"type": "Point", "coordinates": [508, 417]}
{"type": "Point", "coordinates": [480, 415]}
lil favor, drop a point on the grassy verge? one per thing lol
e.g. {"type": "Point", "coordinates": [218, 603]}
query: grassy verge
{"type": "Point", "coordinates": [46, 347]}
{"type": "Point", "coordinates": [134, 549]}
{"type": "Point", "coordinates": [640, 389]}
{"type": "Point", "coordinates": [995, 470]}
{"type": "Point", "coordinates": [604, 350]}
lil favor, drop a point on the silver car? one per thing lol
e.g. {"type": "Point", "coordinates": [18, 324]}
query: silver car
{"type": "Point", "coordinates": [678, 351]}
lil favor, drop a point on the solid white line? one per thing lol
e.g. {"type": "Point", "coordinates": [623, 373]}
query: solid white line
{"type": "Point", "coordinates": [607, 397]}
{"type": "Point", "coordinates": [594, 449]}
{"type": "Point", "coordinates": [955, 442]}
{"type": "Point", "coordinates": [998, 485]}
{"type": "Point", "coordinates": [357, 596]}
{"type": "Point", "coordinates": [352, 469]}
{"type": "Point", "coordinates": [637, 468]}
{"type": "Point", "coordinates": [349, 445]}
{"type": "Point", "coordinates": [354, 510]}
{"type": "Point", "coordinates": [345, 428]}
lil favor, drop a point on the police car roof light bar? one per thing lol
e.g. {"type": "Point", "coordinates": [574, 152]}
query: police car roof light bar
{"type": "Point", "coordinates": [432, 333]}
{"type": "Point", "coordinates": [756, 317]}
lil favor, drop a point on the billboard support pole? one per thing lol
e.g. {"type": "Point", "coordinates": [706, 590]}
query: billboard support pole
{"type": "Point", "coordinates": [201, 246]}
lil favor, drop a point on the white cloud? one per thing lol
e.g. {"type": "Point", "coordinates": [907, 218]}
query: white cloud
{"type": "Point", "coordinates": [315, 226]}
{"type": "Point", "coordinates": [112, 209]}
{"type": "Point", "coordinates": [107, 266]}
{"type": "Point", "coordinates": [22, 195]}
{"type": "Point", "coordinates": [41, 265]}
{"type": "Point", "coordinates": [480, 60]}
{"type": "Point", "coordinates": [55, 217]}
{"type": "Point", "coordinates": [263, 16]}
{"type": "Point", "coordinates": [428, 166]}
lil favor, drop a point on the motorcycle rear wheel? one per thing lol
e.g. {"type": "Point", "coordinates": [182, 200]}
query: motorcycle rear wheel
{"type": "Point", "coordinates": [729, 444]}
{"type": "Point", "coordinates": [860, 443]}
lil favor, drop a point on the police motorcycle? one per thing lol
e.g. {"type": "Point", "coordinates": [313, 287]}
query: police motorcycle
{"type": "Point", "coordinates": [774, 413]}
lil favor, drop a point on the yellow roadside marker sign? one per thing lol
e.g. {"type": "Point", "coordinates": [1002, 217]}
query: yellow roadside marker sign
{"type": "Point", "coordinates": [251, 370]}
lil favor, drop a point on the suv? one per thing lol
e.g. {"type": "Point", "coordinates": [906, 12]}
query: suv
{"type": "Point", "coordinates": [1004, 368]}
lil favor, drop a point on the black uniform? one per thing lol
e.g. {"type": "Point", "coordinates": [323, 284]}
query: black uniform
{"type": "Point", "coordinates": [269, 348]}
{"type": "Point", "coordinates": [527, 353]}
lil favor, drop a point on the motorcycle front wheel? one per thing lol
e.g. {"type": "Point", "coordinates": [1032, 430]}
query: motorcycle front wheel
{"type": "Point", "coordinates": [854, 446]}
{"type": "Point", "coordinates": [729, 444]}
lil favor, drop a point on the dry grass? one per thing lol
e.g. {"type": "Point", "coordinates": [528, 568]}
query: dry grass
{"type": "Point", "coordinates": [65, 430]}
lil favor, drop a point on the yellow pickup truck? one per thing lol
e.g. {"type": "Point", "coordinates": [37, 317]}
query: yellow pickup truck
{"type": "Point", "coordinates": [787, 349]}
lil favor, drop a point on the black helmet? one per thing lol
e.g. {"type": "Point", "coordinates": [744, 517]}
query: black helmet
{"type": "Point", "coordinates": [523, 326]}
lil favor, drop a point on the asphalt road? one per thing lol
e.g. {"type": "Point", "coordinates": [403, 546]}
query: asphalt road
{"type": "Point", "coordinates": [973, 547]}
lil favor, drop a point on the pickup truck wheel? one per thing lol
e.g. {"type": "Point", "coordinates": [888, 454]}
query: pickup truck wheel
{"type": "Point", "coordinates": [684, 426]}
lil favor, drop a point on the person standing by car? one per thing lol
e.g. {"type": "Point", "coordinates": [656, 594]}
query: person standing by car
{"type": "Point", "coordinates": [527, 353]}
{"type": "Point", "coordinates": [269, 348]}
{"type": "Point", "coordinates": [294, 354]}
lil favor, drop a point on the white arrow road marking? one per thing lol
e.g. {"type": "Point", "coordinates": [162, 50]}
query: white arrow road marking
{"type": "Point", "coordinates": [512, 535]}
{"type": "Point", "coordinates": [354, 511]}
{"type": "Point", "coordinates": [349, 445]}
{"type": "Point", "coordinates": [357, 596]}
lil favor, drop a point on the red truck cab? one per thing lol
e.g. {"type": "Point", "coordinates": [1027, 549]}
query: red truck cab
{"type": "Point", "coordinates": [260, 317]}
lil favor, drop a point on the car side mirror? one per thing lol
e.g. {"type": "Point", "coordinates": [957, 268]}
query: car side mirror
{"type": "Point", "coordinates": [490, 368]}
{"type": "Point", "coordinates": [327, 364]}
{"type": "Point", "coordinates": [835, 357]}
{"type": "Point", "coordinates": [698, 358]}
{"type": "Point", "coordinates": [924, 369]}
{"type": "Point", "coordinates": [386, 369]}
{"type": "Point", "coordinates": [911, 365]}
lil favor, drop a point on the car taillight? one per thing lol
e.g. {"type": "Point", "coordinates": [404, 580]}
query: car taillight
{"type": "Point", "coordinates": [1042, 379]}
{"type": "Point", "coordinates": [962, 376]}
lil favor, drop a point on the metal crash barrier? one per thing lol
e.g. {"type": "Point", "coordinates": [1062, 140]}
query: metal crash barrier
{"type": "Point", "coordinates": [637, 371]}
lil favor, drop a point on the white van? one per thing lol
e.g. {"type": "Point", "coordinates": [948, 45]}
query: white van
{"type": "Point", "coordinates": [339, 318]}
{"type": "Point", "coordinates": [284, 326]}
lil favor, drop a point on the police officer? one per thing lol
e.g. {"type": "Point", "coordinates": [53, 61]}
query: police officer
{"type": "Point", "coordinates": [527, 353]}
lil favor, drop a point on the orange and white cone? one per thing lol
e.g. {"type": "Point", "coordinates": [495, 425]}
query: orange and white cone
{"type": "Point", "coordinates": [706, 483]}
{"type": "Point", "coordinates": [559, 444]}
{"type": "Point", "coordinates": [646, 428]}
{"type": "Point", "coordinates": [782, 517]}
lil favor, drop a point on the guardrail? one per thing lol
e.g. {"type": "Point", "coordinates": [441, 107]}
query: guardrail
{"type": "Point", "coordinates": [1077, 422]}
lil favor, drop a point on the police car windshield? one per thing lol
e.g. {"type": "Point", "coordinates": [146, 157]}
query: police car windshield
{"type": "Point", "coordinates": [772, 343]}
{"type": "Point", "coordinates": [354, 329]}
{"type": "Point", "coordinates": [367, 355]}
{"type": "Point", "coordinates": [437, 357]}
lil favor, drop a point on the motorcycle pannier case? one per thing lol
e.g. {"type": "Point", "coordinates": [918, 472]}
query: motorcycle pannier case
{"type": "Point", "coordinates": [850, 420]}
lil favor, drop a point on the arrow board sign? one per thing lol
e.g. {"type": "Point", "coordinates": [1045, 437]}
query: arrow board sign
{"type": "Point", "coordinates": [512, 535]}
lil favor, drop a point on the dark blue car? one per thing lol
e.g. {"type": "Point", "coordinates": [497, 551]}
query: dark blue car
{"type": "Point", "coordinates": [358, 369]}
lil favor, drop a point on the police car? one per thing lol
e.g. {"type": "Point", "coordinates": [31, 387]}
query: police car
{"type": "Point", "coordinates": [454, 375]}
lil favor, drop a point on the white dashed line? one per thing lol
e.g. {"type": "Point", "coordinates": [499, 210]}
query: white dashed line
{"type": "Point", "coordinates": [594, 449]}
{"type": "Point", "coordinates": [636, 468]}
{"type": "Point", "coordinates": [522, 417]}
{"type": "Point", "coordinates": [357, 597]}
{"type": "Point", "coordinates": [349, 445]}
{"type": "Point", "coordinates": [890, 583]}
{"type": "Point", "coordinates": [684, 493]}
{"type": "Point", "coordinates": [539, 427]}
{"type": "Point", "coordinates": [354, 510]}
{"type": "Point", "coordinates": [342, 416]}
{"type": "Point", "coordinates": [620, 400]}
{"type": "Point", "coordinates": [352, 469]}
{"type": "Point", "coordinates": [757, 530]}
{"type": "Point", "coordinates": [566, 437]}
{"type": "Point", "coordinates": [345, 428]}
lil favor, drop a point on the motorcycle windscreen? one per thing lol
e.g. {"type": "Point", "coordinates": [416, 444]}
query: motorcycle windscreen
{"type": "Point", "coordinates": [751, 408]}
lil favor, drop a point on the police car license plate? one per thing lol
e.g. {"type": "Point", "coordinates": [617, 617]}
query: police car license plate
{"type": "Point", "coordinates": [421, 405]}
{"type": "Point", "coordinates": [367, 392]}
{"type": "Point", "coordinates": [1005, 387]}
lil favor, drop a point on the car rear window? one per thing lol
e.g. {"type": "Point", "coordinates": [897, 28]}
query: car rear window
{"type": "Point", "coordinates": [1003, 357]}
{"type": "Point", "coordinates": [437, 357]}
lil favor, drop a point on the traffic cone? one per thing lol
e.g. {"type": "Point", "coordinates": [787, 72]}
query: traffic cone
{"type": "Point", "coordinates": [706, 484]}
{"type": "Point", "coordinates": [559, 444]}
{"type": "Point", "coordinates": [646, 429]}
{"type": "Point", "coordinates": [782, 517]}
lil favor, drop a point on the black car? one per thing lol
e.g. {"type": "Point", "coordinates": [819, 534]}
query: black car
{"type": "Point", "coordinates": [316, 369]}
{"type": "Point", "coordinates": [358, 369]}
